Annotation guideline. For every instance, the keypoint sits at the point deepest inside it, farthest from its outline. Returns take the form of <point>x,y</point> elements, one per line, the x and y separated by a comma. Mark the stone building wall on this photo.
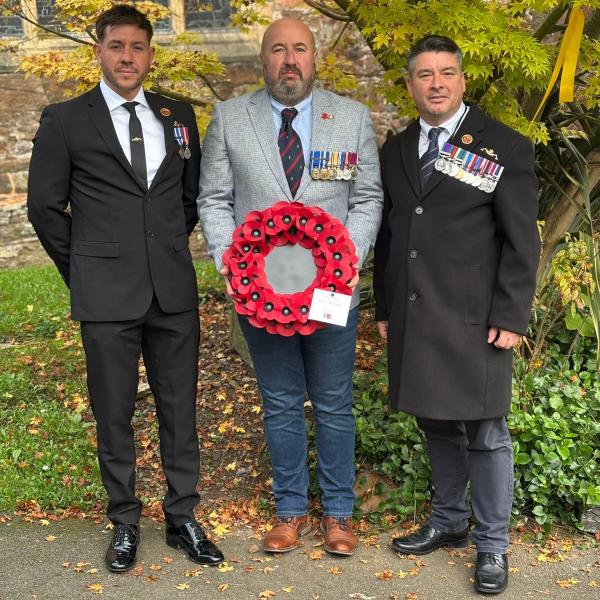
<point>22,100</point>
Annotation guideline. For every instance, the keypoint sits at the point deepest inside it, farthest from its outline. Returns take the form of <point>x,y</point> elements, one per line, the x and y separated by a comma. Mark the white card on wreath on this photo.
<point>330,307</point>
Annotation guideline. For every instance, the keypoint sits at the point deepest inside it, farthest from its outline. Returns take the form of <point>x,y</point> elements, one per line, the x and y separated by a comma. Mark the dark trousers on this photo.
<point>479,453</point>
<point>169,344</point>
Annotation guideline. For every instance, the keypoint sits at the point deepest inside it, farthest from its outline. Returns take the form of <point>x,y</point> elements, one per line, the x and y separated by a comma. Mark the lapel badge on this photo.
<point>490,152</point>
<point>467,139</point>
<point>165,112</point>
<point>325,116</point>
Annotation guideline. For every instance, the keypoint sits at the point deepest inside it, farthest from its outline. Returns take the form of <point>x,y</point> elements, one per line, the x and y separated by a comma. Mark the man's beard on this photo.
<point>292,93</point>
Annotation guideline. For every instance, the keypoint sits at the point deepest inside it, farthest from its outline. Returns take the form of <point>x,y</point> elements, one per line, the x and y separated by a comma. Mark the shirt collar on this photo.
<point>114,100</point>
<point>300,107</point>
<point>448,125</point>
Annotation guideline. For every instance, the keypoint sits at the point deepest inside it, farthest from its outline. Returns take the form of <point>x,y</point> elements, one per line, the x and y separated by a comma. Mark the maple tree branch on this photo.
<point>332,13</point>
<point>159,89</point>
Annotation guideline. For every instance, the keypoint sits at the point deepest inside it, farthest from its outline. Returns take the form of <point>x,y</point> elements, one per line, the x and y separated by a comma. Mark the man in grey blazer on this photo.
<point>248,164</point>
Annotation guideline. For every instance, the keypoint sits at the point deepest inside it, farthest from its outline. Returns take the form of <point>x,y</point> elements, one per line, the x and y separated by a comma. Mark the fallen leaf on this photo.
<point>155,567</point>
<point>223,587</point>
<point>514,570</point>
<point>221,529</point>
<point>92,571</point>
<point>567,583</point>
<point>183,586</point>
<point>167,560</point>
<point>266,594</point>
<point>384,575</point>
<point>287,590</point>
<point>316,555</point>
<point>225,567</point>
<point>231,466</point>
<point>335,571</point>
<point>593,583</point>
<point>50,538</point>
<point>95,588</point>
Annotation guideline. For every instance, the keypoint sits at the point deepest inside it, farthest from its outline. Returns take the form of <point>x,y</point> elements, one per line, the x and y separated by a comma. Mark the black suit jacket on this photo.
<point>450,262</point>
<point>119,242</point>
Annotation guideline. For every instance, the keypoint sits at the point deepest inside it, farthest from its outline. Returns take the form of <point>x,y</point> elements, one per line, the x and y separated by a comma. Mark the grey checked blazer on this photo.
<point>241,168</point>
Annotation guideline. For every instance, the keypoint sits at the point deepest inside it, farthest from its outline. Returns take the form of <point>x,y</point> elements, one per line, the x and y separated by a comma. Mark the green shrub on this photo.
<point>555,424</point>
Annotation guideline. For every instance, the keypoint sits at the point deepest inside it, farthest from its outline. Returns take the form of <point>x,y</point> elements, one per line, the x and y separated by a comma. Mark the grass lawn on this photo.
<point>47,450</point>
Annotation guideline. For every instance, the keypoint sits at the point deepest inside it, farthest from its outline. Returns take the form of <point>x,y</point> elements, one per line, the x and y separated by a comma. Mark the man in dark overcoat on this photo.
<point>126,163</point>
<point>455,266</point>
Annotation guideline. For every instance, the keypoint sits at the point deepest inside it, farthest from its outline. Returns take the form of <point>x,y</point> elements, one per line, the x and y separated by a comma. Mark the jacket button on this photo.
<point>413,296</point>
<point>150,233</point>
<point>148,198</point>
<point>419,210</point>
<point>413,254</point>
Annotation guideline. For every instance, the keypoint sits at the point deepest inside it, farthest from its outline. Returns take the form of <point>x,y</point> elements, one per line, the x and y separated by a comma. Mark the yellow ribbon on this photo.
<point>567,61</point>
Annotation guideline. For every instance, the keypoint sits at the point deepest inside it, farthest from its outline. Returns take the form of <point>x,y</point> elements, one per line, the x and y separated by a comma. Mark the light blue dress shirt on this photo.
<point>302,123</point>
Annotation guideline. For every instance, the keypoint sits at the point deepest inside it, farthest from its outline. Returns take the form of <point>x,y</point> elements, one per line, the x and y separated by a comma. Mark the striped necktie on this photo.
<point>290,150</point>
<point>136,141</point>
<point>427,161</point>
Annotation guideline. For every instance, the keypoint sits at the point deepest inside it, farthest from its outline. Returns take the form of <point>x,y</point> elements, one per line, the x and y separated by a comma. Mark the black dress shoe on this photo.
<point>491,572</point>
<point>192,538</point>
<point>120,555</point>
<point>428,539</point>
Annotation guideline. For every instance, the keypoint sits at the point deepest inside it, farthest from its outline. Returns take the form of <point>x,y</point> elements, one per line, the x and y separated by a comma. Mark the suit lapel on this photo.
<point>167,122</point>
<point>409,143</point>
<point>472,129</point>
<point>321,130</point>
<point>101,118</point>
<point>261,117</point>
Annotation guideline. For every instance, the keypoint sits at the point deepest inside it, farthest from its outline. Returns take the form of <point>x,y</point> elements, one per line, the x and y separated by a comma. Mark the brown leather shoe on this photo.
<point>284,536</point>
<point>339,538</point>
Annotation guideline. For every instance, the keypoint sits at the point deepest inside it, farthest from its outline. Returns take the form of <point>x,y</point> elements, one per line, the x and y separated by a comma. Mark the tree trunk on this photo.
<point>561,217</point>
<point>237,339</point>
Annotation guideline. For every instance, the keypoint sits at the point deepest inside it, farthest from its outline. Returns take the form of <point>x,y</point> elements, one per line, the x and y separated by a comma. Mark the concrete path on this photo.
<point>64,561</point>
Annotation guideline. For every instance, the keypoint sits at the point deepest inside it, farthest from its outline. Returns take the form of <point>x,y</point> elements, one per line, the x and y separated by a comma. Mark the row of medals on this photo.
<point>472,169</point>
<point>333,165</point>
<point>182,137</point>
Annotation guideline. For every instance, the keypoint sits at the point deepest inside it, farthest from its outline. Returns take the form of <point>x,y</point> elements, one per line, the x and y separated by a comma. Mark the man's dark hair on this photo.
<point>433,43</point>
<point>122,14</point>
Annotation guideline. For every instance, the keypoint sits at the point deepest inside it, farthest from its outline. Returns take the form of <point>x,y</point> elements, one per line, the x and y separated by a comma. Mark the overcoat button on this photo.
<point>419,210</point>
<point>413,296</point>
<point>413,254</point>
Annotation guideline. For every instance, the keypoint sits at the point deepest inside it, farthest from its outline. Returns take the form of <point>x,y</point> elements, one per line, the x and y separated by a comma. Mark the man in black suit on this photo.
<point>455,266</point>
<point>126,163</point>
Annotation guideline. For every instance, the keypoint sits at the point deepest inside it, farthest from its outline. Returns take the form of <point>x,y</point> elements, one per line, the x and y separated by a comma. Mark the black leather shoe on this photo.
<point>428,539</point>
<point>120,555</point>
<point>192,538</point>
<point>491,572</point>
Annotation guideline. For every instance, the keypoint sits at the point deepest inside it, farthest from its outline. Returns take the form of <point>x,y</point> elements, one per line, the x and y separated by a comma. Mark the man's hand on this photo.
<point>382,327</point>
<point>353,282</point>
<point>505,340</point>
<point>225,271</point>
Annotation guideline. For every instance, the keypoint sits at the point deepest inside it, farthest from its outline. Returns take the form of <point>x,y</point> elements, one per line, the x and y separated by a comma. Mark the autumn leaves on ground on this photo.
<point>47,446</point>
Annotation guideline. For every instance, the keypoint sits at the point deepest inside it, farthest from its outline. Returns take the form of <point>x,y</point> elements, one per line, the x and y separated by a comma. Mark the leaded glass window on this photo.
<point>197,17</point>
<point>10,26</point>
<point>46,13</point>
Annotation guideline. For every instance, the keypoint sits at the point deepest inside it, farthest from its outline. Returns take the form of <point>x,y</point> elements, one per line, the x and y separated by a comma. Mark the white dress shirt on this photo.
<point>449,128</point>
<point>154,133</point>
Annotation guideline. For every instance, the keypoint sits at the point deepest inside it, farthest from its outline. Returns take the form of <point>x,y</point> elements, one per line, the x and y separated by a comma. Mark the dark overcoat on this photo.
<point>451,261</point>
<point>121,242</point>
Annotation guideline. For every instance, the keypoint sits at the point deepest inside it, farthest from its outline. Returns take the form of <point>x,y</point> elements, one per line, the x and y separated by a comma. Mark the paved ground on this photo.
<point>64,561</point>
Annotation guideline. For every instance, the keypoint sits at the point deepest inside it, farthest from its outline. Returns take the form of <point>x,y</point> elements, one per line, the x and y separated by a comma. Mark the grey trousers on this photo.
<point>479,453</point>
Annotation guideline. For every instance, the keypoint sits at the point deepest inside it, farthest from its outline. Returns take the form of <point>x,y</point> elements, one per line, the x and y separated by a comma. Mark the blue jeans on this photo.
<point>286,369</point>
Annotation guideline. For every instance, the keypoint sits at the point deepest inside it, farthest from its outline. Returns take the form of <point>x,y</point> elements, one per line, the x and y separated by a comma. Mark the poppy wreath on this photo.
<point>312,228</point>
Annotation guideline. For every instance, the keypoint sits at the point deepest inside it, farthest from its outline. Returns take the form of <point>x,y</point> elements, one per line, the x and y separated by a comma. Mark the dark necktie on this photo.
<point>290,149</point>
<point>136,143</point>
<point>427,161</point>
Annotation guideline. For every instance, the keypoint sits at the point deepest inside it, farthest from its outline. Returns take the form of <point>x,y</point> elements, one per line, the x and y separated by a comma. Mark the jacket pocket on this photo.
<point>180,242</point>
<point>101,249</point>
<point>474,294</point>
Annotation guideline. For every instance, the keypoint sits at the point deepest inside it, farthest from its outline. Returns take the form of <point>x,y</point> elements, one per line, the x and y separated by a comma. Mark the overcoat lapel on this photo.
<point>261,117</point>
<point>410,156</point>
<point>100,116</point>
<point>167,122</point>
<point>471,126</point>
<point>321,130</point>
